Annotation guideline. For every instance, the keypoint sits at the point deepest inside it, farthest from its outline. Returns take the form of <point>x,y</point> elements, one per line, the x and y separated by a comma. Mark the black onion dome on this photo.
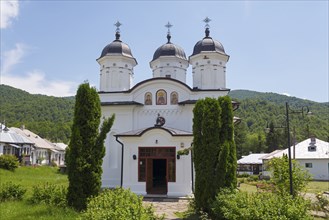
<point>208,44</point>
<point>117,47</point>
<point>169,49</point>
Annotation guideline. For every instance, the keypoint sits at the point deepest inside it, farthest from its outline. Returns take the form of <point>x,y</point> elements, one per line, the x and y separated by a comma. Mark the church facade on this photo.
<point>154,118</point>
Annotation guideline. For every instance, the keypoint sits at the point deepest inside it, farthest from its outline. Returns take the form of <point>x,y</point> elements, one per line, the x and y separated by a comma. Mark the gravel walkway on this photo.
<point>167,206</point>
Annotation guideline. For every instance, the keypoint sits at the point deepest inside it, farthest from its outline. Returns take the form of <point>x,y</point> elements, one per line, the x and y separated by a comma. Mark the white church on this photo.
<point>154,117</point>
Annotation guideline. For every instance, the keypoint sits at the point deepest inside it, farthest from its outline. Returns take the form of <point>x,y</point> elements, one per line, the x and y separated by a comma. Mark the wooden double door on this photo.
<point>159,168</point>
<point>156,177</point>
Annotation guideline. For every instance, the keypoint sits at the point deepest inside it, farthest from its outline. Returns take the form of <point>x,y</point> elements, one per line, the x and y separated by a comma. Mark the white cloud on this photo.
<point>35,82</point>
<point>8,11</point>
<point>286,94</point>
<point>12,57</point>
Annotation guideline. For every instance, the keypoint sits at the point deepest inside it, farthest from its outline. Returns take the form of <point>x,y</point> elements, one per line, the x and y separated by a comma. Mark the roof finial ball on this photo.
<point>207,20</point>
<point>117,33</point>
<point>168,25</point>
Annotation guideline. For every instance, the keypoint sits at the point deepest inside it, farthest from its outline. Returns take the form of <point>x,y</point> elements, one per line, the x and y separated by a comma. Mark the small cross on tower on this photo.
<point>207,20</point>
<point>168,25</point>
<point>118,24</point>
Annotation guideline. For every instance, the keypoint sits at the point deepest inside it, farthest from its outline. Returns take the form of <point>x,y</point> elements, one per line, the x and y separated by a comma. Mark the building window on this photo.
<point>174,98</point>
<point>308,165</point>
<point>161,97</point>
<point>6,150</point>
<point>148,98</point>
<point>312,148</point>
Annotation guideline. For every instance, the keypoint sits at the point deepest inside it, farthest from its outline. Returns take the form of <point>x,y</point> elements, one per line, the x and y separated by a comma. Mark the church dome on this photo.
<point>169,49</point>
<point>117,47</point>
<point>208,44</point>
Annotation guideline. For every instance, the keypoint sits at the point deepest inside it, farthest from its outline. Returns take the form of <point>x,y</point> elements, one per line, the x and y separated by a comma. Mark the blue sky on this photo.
<point>50,47</point>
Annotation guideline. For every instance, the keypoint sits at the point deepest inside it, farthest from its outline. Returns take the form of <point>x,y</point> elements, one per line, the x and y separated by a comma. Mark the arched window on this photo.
<point>161,97</point>
<point>148,98</point>
<point>174,98</point>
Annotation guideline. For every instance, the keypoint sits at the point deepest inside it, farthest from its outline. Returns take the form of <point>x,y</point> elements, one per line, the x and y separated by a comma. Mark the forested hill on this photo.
<point>273,97</point>
<point>258,110</point>
<point>48,116</point>
<point>51,117</point>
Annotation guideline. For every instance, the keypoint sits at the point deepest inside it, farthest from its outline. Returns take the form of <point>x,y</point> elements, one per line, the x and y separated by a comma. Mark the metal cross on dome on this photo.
<point>118,24</point>
<point>168,25</point>
<point>207,20</point>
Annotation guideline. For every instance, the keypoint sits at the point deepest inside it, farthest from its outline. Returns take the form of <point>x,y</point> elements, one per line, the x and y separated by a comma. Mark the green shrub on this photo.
<point>252,178</point>
<point>117,204</point>
<point>49,194</point>
<point>8,162</point>
<point>11,191</point>
<point>243,205</point>
<point>242,175</point>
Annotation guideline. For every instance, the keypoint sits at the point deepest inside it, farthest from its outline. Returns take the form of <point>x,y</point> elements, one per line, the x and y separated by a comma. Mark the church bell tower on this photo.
<point>116,65</point>
<point>208,62</point>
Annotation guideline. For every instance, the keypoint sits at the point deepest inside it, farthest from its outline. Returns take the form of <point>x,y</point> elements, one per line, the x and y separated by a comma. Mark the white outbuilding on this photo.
<point>312,154</point>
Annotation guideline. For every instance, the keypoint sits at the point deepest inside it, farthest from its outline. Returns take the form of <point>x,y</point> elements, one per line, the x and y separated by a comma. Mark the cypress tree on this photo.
<point>206,127</point>
<point>84,156</point>
<point>198,155</point>
<point>227,159</point>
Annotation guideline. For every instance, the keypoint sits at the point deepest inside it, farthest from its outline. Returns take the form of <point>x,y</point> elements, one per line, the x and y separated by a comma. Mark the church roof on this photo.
<point>140,132</point>
<point>117,47</point>
<point>207,44</point>
<point>121,103</point>
<point>169,49</point>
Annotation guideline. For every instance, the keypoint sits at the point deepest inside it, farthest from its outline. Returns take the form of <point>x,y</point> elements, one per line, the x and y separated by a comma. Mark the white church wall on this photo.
<point>171,67</point>
<point>209,70</point>
<point>111,176</point>
<point>116,73</point>
<point>183,184</point>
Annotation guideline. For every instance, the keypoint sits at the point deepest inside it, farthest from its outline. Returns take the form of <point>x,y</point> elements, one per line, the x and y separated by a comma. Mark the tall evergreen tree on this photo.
<point>228,154</point>
<point>84,156</point>
<point>206,129</point>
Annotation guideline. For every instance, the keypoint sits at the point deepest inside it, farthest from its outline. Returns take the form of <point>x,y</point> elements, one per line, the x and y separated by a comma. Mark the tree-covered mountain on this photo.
<point>48,116</point>
<point>51,117</point>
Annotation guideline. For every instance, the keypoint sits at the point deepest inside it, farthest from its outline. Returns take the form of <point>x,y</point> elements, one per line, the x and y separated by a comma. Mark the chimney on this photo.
<point>313,140</point>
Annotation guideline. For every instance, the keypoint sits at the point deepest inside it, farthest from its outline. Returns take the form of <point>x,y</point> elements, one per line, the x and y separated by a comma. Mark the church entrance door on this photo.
<point>157,178</point>
<point>160,168</point>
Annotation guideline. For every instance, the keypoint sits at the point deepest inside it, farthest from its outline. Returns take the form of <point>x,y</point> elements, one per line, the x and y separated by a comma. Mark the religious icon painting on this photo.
<point>148,98</point>
<point>174,98</point>
<point>161,97</point>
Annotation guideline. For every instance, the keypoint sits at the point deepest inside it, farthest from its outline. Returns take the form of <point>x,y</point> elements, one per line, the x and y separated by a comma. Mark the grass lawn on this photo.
<point>317,186</point>
<point>312,187</point>
<point>247,187</point>
<point>29,177</point>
